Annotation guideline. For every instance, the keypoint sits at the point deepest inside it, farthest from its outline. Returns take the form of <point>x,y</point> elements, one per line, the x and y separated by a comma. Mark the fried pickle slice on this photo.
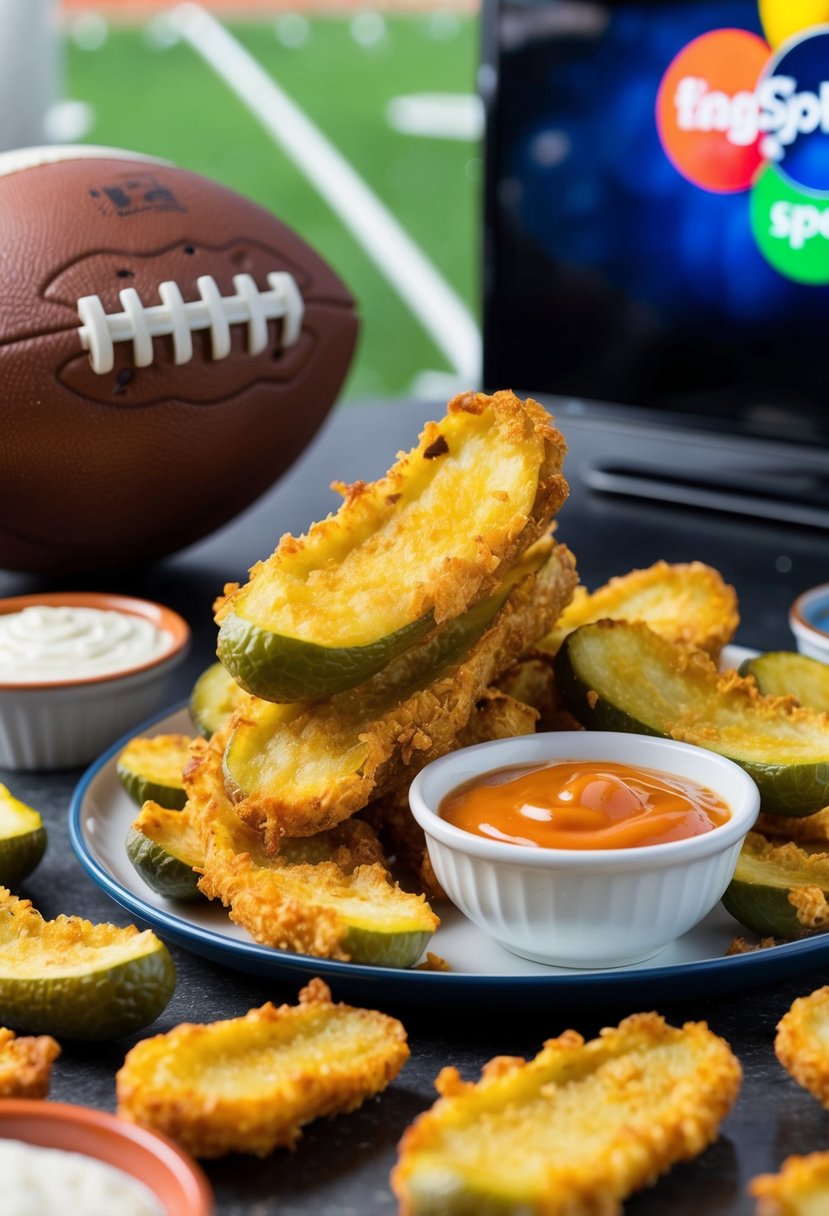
<point>800,1189</point>
<point>689,602</point>
<point>802,1043</point>
<point>78,980</point>
<point>301,770</point>
<point>409,552</point>
<point>574,1131</point>
<point>779,889</point>
<point>329,895</point>
<point>250,1084</point>
<point>26,1064</point>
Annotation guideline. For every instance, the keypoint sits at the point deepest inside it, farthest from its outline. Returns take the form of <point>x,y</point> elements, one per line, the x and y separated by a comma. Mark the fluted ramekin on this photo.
<point>61,723</point>
<point>591,908</point>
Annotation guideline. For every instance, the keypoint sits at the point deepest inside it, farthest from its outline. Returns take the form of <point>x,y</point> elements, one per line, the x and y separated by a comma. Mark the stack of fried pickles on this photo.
<point>368,648</point>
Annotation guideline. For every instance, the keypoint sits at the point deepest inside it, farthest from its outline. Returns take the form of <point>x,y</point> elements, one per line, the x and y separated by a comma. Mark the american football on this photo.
<point>167,348</point>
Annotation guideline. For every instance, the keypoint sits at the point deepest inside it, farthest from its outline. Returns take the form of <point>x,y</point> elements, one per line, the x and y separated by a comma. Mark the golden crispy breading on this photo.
<point>249,1084</point>
<point>802,1043</point>
<point>26,1064</point>
<point>687,603</point>
<point>739,945</point>
<point>792,827</point>
<point>29,944</point>
<point>435,534</point>
<point>433,962</point>
<point>785,869</point>
<point>800,1189</point>
<point>496,716</point>
<point>532,680</point>
<point>575,1130</point>
<point>304,906</point>
<point>329,759</point>
<point>678,691</point>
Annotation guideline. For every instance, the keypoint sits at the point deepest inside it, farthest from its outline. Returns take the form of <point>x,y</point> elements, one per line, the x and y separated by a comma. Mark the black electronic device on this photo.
<point>657,239</point>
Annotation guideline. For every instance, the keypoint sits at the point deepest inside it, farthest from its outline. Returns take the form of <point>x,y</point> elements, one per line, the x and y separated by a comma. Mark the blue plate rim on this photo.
<point>754,967</point>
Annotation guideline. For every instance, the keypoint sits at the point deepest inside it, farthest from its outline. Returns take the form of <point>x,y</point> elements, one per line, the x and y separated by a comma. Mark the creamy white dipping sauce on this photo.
<point>50,1182</point>
<point>43,643</point>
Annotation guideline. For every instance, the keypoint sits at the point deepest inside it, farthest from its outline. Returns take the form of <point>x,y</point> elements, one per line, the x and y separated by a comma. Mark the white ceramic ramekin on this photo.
<point>67,722</point>
<point>809,622</point>
<point>585,908</point>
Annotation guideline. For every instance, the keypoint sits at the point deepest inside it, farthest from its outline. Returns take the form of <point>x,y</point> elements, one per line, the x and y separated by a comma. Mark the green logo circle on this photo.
<point>791,227</point>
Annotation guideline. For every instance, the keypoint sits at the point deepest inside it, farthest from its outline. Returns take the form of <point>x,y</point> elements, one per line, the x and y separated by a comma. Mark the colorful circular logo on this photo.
<point>706,109</point>
<point>733,115</point>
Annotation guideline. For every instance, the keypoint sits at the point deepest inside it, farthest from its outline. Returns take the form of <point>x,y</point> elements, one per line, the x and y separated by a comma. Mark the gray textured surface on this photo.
<point>341,1167</point>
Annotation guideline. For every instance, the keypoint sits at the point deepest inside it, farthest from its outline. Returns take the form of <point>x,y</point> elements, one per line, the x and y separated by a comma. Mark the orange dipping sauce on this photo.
<point>583,804</point>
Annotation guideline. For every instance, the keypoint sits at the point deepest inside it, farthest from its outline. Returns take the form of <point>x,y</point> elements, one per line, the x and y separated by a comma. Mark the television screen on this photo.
<point>657,211</point>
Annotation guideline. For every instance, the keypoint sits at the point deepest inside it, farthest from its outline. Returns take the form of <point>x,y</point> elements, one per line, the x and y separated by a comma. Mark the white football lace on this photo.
<point>173,317</point>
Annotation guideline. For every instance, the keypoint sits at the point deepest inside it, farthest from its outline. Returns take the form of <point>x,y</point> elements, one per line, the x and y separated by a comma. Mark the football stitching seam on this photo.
<point>174,317</point>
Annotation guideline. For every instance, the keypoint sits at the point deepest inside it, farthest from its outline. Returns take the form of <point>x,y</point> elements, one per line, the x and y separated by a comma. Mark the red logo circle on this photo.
<point>707,110</point>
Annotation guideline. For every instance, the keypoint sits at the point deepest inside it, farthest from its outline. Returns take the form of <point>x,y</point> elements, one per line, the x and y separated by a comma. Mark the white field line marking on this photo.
<point>437,306</point>
<point>437,115</point>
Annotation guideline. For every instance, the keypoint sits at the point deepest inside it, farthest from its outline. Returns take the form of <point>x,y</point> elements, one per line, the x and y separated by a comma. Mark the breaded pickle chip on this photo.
<point>214,699</point>
<point>572,1132</point>
<point>779,890</point>
<point>620,675</point>
<point>165,849</point>
<point>150,770</point>
<point>328,895</point>
<point>26,1064</point>
<point>800,1189</point>
<point>406,553</point>
<point>302,769</point>
<point>22,839</point>
<point>802,1043</point>
<point>689,602</point>
<point>76,979</point>
<point>785,673</point>
<point>249,1084</point>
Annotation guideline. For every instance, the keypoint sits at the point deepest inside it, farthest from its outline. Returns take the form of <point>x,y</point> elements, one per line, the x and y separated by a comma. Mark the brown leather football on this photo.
<point>167,348</point>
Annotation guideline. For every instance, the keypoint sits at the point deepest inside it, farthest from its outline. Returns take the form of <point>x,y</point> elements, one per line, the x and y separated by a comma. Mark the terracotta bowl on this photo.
<point>170,1174</point>
<point>60,723</point>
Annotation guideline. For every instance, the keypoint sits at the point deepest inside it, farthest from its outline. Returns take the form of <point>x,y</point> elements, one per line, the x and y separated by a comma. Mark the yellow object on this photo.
<point>782,19</point>
<point>22,839</point>
<point>404,554</point>
<point>302,769</point>
<point>77,980</point>
<point>802,1043</point>
<point>328,895</point>
<point>687,603</point>
<point>26,1064</point>
<point>249,1084</point>
<point>800,1189</point>
<point>572,1132</point>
